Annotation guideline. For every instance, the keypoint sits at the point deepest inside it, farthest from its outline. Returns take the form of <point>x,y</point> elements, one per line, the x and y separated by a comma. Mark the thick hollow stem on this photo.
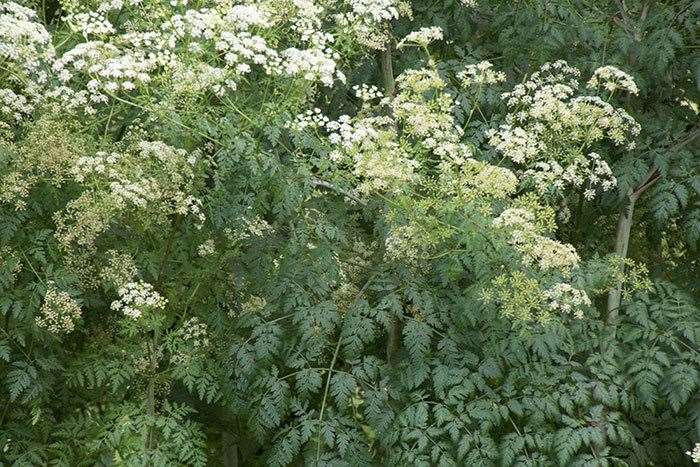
<point>624,225</point>
<point>386,69</point>
<point>622,241</point>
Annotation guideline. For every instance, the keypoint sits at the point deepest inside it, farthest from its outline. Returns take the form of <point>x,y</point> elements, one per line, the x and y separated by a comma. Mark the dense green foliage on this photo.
<point>291,232</point>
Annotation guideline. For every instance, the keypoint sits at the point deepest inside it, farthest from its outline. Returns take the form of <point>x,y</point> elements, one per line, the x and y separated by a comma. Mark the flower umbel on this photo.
<point>136,298</point>
<point>59,312</point>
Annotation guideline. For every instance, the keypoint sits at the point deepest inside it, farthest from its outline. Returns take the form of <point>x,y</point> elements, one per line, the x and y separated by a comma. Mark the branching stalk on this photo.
<point>624,225</point>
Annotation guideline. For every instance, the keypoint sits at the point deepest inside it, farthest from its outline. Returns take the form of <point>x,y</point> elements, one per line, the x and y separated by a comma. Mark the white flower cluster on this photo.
<point>379,153</point>
<point>431,124</point>
<point>116,5</point>
<point>342,132</point>
<point>565,298</point>
<point>231,32</point>
<point>695,454</point>
<point>400,244</point>
<point>59,312</point>
<point>549,74</point>
<point>120,269</point>
<point>307,21</point>
<point>102,163</point>
<point>121,58</point>
<point>515,217</point>
<point>605,121</point>
<point>26,53</point>
<point>376,10</point>
<point>546,253</point>
<point>312,118</point>
<point>20,27</point>
<point>189,340</point>
<point>312,64</point>
<point>416,82</point>
<point>516,143</point>
<point>163,152</point>
<point>136,298</point>
<point>429,119</point>
<point>207,248</point>
<point>196,331</point>
<point>90,23</point>
<point>257,227</point>
<point>367,93</point>
<point>612,78</point>
<point>422,37</point>
<point>107,69</point>
<point>83,220</point>
<point>347,134</point>
<point>592,171</point>
<point>24,40</point>
<point>367,19</point>
<point>193,206</point>
<point>486,181</point>
<point>15,106</point>
<point>551,131</point>
<point>139,193</point>
<point>254,304</point>
<point>383,166</point>
<point>192,79</point>
<point>118,184</point>
<point>480,74</point>
<point>369,143</point>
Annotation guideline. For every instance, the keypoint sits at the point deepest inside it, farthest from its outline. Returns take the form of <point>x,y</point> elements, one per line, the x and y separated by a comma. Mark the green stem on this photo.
<point>336,351</point>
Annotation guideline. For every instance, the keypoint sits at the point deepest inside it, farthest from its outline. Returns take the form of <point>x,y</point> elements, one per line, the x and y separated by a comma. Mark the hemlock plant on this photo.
<point>357,232</point>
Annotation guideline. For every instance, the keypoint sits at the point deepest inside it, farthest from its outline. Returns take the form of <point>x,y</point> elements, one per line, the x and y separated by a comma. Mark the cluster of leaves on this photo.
<point>293,333</point>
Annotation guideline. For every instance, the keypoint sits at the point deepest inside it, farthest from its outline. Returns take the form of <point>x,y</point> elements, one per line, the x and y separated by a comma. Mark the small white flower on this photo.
<point>612,79</point>
<point>480,74</point>
<point>422,37</point>
<point>207,248</point>
<point>135,298</point>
